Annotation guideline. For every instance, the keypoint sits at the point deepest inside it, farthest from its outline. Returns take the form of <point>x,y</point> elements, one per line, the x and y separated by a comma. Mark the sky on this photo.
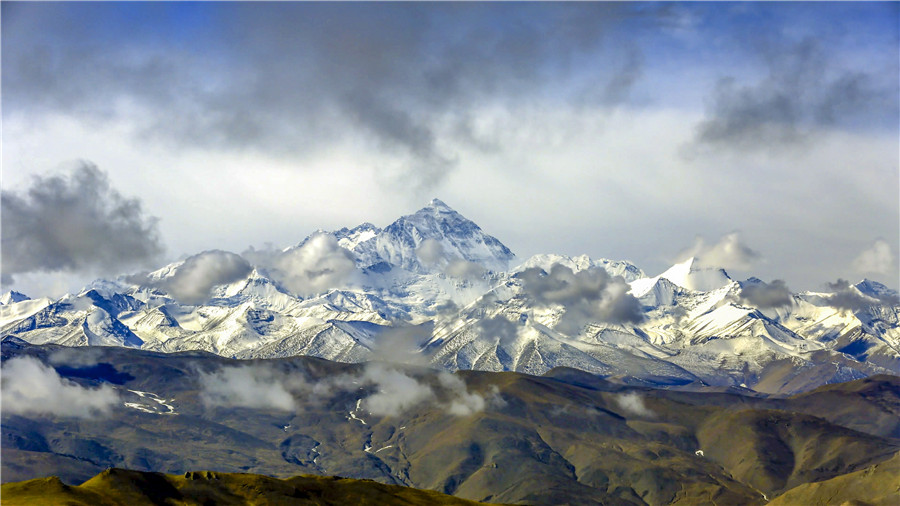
<point>763,136</point>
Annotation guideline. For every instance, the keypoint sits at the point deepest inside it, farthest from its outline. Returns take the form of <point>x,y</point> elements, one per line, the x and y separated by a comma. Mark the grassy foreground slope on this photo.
<point>878,485</point>
<point>117,486</point>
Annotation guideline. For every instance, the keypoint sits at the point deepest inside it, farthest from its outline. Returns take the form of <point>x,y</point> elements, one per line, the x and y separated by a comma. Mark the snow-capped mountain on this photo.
<point>434,285</point>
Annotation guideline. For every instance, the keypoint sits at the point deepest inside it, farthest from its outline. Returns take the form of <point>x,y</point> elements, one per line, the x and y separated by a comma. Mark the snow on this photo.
<point>352,413</point>
<point>149,408</point>
<point>695,324</point>
<point>11,297</point>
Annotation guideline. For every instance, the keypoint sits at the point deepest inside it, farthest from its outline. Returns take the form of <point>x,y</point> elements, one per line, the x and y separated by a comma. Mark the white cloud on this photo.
<point>319,265</point>
<point>245,387</point>
<point>878,259</point>
<point>430,252</point>
<point>463,269</point>
<point>30,387</point>
<point>728,253</point>
<point>194,279</point>
<point>634,404</point>
<point>395,391</point>
<point>462,402</point>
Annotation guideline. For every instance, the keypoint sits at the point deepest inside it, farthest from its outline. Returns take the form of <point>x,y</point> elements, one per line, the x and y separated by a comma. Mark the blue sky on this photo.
<point>637,131</point>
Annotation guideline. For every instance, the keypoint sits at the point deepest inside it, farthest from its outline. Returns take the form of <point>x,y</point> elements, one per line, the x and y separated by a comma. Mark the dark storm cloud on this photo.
<point>290,78</point>
<point>588,295</point>
<point>766,295</point>
<point>805,88</point>
<point>75,222</point>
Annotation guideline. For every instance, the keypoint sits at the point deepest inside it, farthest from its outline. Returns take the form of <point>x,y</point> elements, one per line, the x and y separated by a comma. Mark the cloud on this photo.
<point>391,390</point>
<point>463,269</point>
<point>588,295</point>
<point>75,222</point>
<point>878,259</point>
<point>246,387</point>
<point>402,344</point>
<point>430,252</point>
<point>847,298</point>
<point>462,402</point>
<point>805,89</point>
<point>193,280</point>
<point>766,296</point>
<point>395,392</point>
<point>30,387</point>
<point>83,356</point>
<point>317,265</point>
<point>499,328</point>
<point>634,404</point>
<point>403,77</point>
<point>432,255</point>
<point>728,253</point>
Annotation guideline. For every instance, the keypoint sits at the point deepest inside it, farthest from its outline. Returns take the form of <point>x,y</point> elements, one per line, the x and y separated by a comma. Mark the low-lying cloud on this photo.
<point>766,295</point>
<point>728,253</point>
<point>847,298</point>
<point>499,328</point>
<point>588,295</point>
<point>75,223</point>
<point>430,252</point>
<point>392,390</point>
<point>463,269</point>
<point>193,280</point>
<point>633,403</point>
<point>29,387</point>
<point>316,266</point>
<point>246,387</point>
<point>395,392</point>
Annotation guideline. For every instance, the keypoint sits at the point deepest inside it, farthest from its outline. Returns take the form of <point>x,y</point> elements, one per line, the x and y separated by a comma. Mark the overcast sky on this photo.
<point>625,131</point>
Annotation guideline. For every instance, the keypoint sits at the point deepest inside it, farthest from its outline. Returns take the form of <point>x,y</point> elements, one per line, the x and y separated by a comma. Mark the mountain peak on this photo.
<point>12,297</point>
<point>693,276</point>
<point>438,204</point>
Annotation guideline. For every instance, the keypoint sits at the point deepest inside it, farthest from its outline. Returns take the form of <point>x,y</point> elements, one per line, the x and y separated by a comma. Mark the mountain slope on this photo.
<point>437,278</point>
<point>568,436</point>
<point>119,486</point>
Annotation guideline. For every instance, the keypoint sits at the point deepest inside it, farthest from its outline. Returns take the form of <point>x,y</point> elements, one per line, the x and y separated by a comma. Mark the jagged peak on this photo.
<point>693,276</point>
<point>438,204</point>
<point>12,297</point>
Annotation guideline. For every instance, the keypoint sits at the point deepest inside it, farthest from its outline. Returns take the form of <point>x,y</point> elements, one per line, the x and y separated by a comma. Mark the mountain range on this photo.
<point>433,289</point>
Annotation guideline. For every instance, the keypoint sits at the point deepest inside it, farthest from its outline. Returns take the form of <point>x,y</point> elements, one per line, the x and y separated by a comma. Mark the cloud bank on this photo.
<point>75,222</point>
<point>30,387</point>
<point>392,391</point>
